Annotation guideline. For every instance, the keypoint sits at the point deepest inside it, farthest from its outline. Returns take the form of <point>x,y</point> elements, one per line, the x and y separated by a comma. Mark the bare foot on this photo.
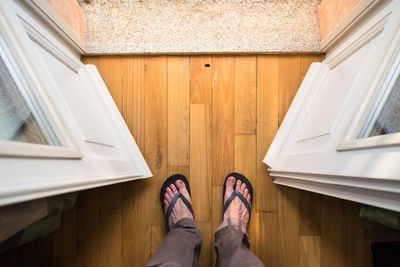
<point>237,209</point>
<point>179,211</point>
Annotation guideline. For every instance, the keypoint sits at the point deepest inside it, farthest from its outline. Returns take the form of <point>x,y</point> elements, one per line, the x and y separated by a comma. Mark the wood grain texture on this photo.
<point>267,126</point>
<point>155,147</point>
<point>200,79</point>
<point>122,225</point>
<point>331,232</point>
<point>310,251</point>
<point>110,220</point>
<point>245,94</point>
<point>158,232</point>
<point>88,230</point>
<point>288,83</point>
<point>178,111</point>
<point>207,246</point>
<point>135,244</point>
<point>310,213</point>
<point>132,79</point>
<point>288,226</point>
<point>223,118</point>
<point>267,238</point>
<point>200,161</point>
<point>65,240</point>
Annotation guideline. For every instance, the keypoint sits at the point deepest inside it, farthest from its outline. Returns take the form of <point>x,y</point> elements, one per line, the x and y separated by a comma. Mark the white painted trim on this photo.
<point>69,60</point>
<point>19,149</point>
<point>43,10</point>
<point>384,185</point>
<point>353,44</point>
<point>22,192</point>
<point>385,200</point>
<point>342,28</point>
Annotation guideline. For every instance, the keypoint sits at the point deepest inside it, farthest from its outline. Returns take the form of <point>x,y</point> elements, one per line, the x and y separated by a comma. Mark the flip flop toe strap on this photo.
<point>173,202</point>
<point>241,197</point>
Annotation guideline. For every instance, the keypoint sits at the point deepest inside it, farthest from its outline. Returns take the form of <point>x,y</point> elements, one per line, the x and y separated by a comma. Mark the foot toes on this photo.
<point>180,185</point>
<point>246,193</point>
<point>166,203</point>
<point>238,185</point>
<point>230,183</point>
<point>243,187</point>
<point>173,188</point>
<point>170,193</point>
<point>167,197</point>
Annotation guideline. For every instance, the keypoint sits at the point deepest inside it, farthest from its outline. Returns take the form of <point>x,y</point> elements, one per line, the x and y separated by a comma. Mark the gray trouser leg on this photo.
<point>180,248</point>
<point>232,246</point>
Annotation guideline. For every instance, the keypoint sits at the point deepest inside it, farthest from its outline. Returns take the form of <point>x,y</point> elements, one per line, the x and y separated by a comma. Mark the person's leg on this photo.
<point>231,240</point>
<point>181,247</point>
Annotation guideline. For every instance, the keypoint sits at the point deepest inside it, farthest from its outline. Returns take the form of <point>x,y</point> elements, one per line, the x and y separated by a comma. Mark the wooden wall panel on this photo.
<point>226,116</point>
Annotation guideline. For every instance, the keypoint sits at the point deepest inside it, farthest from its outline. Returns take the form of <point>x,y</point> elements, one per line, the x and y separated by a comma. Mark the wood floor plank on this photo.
<point>288,226</point>
<point>310,214</point>
<point>110,237</point>
<point>65,240</point>
<point>267,126</point>
<point>207,245</point>
<point>223,118</point>
<point>155,148</point>
<point>289,82</point>
<point>136,237</point>
<point>132,79</point>
<point>267,238</point>
<point>158,233</point>
<point>179,170</point>
<point>331,232</point>
<point>245,94</point>
<point>88,231</point>
<point>200,79</point>
<point>310,251</point>
<point>178,110</point>
<point>110,220</point>
<point>353,227</point>
<point>200,180</point>
<point>110,69</point>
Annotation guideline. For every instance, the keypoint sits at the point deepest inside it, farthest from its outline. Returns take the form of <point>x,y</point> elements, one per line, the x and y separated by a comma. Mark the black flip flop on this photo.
<point>171,180</point>
<point>236,193</point>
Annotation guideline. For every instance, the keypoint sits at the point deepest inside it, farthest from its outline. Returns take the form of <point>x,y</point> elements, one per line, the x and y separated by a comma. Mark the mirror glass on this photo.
<point>21,117</point>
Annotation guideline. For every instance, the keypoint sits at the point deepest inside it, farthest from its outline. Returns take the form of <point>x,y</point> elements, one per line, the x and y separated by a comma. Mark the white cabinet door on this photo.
<point>60,130</point>
<point>341,135</point>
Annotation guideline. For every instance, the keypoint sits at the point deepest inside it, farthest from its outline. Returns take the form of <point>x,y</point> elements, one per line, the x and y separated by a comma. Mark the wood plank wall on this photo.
<point>204,122</point>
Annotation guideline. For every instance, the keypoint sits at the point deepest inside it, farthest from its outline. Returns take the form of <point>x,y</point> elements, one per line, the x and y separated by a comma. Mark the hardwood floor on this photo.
<point>204,121</point>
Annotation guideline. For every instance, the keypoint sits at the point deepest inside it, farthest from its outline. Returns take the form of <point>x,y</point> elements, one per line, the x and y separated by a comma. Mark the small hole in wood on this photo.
<point>207,65</point>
